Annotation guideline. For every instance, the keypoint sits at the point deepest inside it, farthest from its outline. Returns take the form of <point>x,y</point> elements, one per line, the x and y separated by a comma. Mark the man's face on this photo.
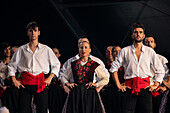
<point>33,33</point>
<point>149,41</point>
<point>109,52</point>
<point>116,51</point>
<point>138,35</point>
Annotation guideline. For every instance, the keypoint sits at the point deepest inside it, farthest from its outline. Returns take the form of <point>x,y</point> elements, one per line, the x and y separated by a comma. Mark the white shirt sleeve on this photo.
<point>103,78</point>
<point>117,63</point>
<point>159,69</point>
<point>54,63</point>
<point>66,75</point>
<point>12,65</point>
<point>101,64</point>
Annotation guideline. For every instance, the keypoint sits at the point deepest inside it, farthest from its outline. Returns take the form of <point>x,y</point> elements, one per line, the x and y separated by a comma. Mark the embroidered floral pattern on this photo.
<point>82,70</point>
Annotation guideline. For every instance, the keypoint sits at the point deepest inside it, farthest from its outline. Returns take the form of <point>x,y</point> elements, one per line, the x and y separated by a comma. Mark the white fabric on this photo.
<point>142,68</point>
<point>35,63</point>
<point>103,78</point>
<point>4,110</point>
<point>3,71</point>
<point>67,64</point>
<point>164,61</point>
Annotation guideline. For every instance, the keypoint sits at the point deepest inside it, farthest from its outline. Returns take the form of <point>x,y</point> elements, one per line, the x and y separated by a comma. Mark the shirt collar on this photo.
<point>78,56</point>
<point>133,48</point>
<point>39,46</point>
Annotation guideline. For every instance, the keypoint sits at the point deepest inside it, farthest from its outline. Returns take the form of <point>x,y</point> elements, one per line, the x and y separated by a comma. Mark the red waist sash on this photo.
<point>29,79</point>
<point>136,84</point>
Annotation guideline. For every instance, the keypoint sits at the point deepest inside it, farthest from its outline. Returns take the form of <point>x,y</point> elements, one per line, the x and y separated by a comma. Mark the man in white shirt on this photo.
<point>67,64</point>
<point>150,42</point>
<point>137,60</point>
<point>33,60</point>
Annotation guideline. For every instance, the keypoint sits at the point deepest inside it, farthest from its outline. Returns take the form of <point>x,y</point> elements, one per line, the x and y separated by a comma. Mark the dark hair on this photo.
<point>3,46</point>
<point>151,35</point>
<point>84,36</point>
<point>114,48</point>
<point>32,25</point>
<point>137,25</point>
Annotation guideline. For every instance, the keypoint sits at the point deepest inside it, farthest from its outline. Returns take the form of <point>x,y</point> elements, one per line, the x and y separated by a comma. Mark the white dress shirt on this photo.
<point>67,64</point>
<point>164,61</point>
<point>35,63</point>
<point>101,75</point>
<point>142,68</point>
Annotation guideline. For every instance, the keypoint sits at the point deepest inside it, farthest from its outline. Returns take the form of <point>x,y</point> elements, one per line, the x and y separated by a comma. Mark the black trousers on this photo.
<point>10,99</point>
<point>141,103</point>
<point>25,98</point>
<point>156,101</point>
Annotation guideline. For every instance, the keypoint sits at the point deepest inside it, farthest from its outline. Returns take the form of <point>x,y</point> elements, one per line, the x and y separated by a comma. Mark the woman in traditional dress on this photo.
<point>83,97</point>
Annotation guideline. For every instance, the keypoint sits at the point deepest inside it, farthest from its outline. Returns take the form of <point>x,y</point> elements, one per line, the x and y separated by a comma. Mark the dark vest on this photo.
<point>88,75</point>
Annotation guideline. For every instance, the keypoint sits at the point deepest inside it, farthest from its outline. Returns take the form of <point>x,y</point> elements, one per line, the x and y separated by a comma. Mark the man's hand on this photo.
<point>122,87</point>
<point>48,80</point>
<point>153,87</point>
<point>167,84</point>
<point>17,83</point>
<point>162,89</point>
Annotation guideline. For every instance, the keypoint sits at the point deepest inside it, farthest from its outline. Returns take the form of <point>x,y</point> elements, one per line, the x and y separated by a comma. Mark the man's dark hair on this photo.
<point>32,25</point>
<point>137,25</point>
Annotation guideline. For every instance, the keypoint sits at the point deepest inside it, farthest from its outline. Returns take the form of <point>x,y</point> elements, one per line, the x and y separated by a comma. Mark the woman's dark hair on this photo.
<point>3,46</point>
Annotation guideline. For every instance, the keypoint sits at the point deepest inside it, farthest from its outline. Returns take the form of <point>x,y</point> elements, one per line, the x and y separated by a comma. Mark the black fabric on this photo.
<point>10,99</point>
<point>141,103</point>
<point>89,73</point>
<point>25,98</point>
<point>56,97</point>
<point>110,95</point>
<point>156,101</point>
<point>111,98</point>
<point>83,100</point>
<point>167,107</point>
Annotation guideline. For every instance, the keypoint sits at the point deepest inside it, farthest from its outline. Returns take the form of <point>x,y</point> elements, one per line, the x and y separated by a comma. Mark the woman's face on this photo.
<point>7,51</point>
<point>84,49</point>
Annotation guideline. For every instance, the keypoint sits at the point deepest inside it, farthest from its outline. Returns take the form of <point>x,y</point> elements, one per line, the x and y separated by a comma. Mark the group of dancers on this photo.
<point>135,79</point>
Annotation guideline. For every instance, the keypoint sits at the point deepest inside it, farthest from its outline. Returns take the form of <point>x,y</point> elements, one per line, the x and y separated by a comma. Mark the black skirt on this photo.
<point>83,100</point>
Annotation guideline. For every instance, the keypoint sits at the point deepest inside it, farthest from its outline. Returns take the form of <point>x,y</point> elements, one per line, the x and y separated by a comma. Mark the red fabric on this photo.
<point>156,93</point>
<point>1,91</point>
<point>136,84</point>
<point>29,79</point>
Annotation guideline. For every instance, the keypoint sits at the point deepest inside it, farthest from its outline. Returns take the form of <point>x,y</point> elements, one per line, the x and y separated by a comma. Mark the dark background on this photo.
<point>106,22</point>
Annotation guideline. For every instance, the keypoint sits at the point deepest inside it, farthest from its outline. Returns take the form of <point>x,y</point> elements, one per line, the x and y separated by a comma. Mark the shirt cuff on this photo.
<point>113,70</point>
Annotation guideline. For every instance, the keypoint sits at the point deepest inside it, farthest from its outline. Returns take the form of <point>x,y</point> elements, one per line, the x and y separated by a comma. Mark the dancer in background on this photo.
<point>150,42</point>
